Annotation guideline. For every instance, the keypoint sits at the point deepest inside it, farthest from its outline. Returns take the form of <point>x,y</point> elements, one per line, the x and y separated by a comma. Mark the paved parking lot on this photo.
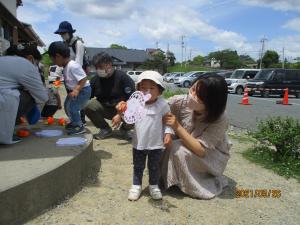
<point>246,116</point>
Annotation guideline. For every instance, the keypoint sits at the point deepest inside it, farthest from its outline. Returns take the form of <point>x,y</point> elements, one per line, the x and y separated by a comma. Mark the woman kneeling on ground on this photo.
<point>195,162</point>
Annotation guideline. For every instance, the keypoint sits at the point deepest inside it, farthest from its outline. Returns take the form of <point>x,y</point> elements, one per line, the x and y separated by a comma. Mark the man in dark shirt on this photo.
<point>109,87</point>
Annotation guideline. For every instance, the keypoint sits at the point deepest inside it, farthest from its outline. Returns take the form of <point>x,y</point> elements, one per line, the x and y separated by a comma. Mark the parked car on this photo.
<point>224,73</point>
<point>134,74</point>
<point>54,72</point>
<point>237,81</point>
<point>171,77</point>
<point>274,81</point>
<point>187,79</point>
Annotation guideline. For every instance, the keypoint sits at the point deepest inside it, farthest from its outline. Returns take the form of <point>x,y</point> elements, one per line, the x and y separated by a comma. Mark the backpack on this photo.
<point>85,62</point>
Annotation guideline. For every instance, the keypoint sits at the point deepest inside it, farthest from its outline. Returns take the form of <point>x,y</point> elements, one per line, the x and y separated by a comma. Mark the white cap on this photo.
<point>151,75</point>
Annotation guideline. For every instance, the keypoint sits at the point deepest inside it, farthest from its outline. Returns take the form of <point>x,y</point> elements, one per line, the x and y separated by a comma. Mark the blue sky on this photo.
<point>207,25</point>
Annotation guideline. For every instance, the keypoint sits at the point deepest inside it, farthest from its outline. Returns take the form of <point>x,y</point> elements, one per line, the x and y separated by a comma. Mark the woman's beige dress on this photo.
<point>198,177</point>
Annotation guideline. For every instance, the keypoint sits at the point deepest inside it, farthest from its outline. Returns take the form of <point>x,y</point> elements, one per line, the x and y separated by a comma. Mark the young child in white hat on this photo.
<point>150,136</point>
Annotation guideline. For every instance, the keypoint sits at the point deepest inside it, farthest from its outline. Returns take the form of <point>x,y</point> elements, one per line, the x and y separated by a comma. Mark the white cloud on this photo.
<point>102,9</point>
<point>293,24</point>
<point>160,26</point>
<point>32,16</point>
<point>282,5</point>
<point>291,45</point>
<point>44,4</point>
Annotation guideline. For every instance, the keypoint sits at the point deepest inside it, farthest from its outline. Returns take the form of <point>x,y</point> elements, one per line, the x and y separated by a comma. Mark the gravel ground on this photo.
<point>104,200</point>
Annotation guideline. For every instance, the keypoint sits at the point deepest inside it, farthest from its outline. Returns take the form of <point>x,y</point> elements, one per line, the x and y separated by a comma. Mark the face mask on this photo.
<point>101,73</point>
<point>65,36</point>
<point>193,104</point>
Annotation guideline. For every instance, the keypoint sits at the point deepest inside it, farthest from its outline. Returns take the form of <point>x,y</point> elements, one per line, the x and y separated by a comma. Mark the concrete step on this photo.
<point>35,174</point>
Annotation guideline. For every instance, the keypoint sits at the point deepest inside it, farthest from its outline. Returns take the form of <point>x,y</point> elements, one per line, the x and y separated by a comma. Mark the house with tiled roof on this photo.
<point>125,59</point>
<point>13,31</point>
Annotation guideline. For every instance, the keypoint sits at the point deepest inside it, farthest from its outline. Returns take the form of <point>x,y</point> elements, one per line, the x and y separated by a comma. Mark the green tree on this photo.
<point>170,58</point>
<point>269,58</point>
<point>157,61</point>
<point>116,46</point>
<point>198,60</point>
<point>228,58</point>
<point>46,59</point>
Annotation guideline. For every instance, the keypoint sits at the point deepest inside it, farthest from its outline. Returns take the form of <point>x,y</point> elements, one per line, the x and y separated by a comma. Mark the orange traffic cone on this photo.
<point>245,100</point>
<point>285,100</point>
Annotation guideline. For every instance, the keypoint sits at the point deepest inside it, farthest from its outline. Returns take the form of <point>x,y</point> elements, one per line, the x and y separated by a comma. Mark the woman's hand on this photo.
<point>167,140</point>
<point>116,121</point>
<point>170,120</point>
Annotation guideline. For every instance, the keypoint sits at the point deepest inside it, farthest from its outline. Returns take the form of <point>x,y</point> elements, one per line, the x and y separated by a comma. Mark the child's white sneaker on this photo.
<point>134,192</point>
<point>155,192</point>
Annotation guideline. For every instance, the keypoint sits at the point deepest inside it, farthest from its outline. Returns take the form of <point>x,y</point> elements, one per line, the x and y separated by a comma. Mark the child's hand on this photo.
<point>116,121</point>
<point>121,106</point>
<point>167,139</point>
<point>74,93</point>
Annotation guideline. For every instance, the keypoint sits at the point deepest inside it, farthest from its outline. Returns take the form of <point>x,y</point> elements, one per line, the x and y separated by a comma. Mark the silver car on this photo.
<point>188,78</point>
<point>171,77</point>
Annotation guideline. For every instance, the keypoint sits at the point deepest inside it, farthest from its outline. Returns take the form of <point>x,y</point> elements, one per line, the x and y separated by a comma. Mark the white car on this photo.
<point>187,79</point>
<point>172,76</point>
<point>134,75</point>
<point>238,80</point>
<point>54,73</point>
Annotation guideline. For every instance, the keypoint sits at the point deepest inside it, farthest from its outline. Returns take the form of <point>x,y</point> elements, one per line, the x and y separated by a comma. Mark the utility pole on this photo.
<point>283,58</point>
<point>182,47</point>
<point>191,53</point>
<point>185,59</point>
<point>156,44</point>
<point>262,50</point>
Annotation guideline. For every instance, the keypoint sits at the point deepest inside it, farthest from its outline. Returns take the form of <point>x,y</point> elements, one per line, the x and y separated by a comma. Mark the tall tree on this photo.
<point>156,62</point>
<point>198,60</point>
<point>269,58</point>
<point>228,58</point>
<point>116,46</point>
<point>170,58</point>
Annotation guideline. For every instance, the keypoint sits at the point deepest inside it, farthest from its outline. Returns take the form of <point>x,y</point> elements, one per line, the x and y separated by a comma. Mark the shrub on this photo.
<point>283,134</point>
<point>169,93</point>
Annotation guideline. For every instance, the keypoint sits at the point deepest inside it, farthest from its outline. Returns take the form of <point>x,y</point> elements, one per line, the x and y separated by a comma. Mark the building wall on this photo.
<point>11,5</point>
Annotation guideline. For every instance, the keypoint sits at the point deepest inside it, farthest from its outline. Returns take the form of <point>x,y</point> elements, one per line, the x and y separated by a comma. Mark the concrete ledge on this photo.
<point>35,174</point>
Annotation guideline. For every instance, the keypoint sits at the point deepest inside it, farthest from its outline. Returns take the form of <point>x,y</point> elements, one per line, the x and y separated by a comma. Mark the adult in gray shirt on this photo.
<point>21,88</point>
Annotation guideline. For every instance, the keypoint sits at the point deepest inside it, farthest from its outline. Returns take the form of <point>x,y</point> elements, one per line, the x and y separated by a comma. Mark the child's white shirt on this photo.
<point>149,132</point>
<point>73,73</point>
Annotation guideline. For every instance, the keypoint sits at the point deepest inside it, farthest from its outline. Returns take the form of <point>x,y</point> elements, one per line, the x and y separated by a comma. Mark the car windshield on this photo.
<point>263,75</point>
<point>187,74</point>
<point>237,74</point>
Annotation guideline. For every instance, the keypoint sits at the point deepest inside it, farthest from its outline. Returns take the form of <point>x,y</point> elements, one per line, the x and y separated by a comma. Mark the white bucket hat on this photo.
<point>151,75</point>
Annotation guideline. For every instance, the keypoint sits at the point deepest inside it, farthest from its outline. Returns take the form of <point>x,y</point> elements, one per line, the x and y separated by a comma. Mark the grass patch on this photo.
<point>240,138</point>
<point>288,167</point>
<point>169,93</point>
<point>187,68</point>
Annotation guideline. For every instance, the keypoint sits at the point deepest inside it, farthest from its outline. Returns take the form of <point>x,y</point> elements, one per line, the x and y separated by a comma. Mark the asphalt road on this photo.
<point>247,116</point>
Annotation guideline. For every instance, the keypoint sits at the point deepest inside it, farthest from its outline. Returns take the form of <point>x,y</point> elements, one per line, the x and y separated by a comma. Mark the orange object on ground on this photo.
<point>57,83</point>
<point>23,133</point>
<point>61,121</point>
<point>245,100</point>
<point>50,120</point>
<point>285,100</point>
